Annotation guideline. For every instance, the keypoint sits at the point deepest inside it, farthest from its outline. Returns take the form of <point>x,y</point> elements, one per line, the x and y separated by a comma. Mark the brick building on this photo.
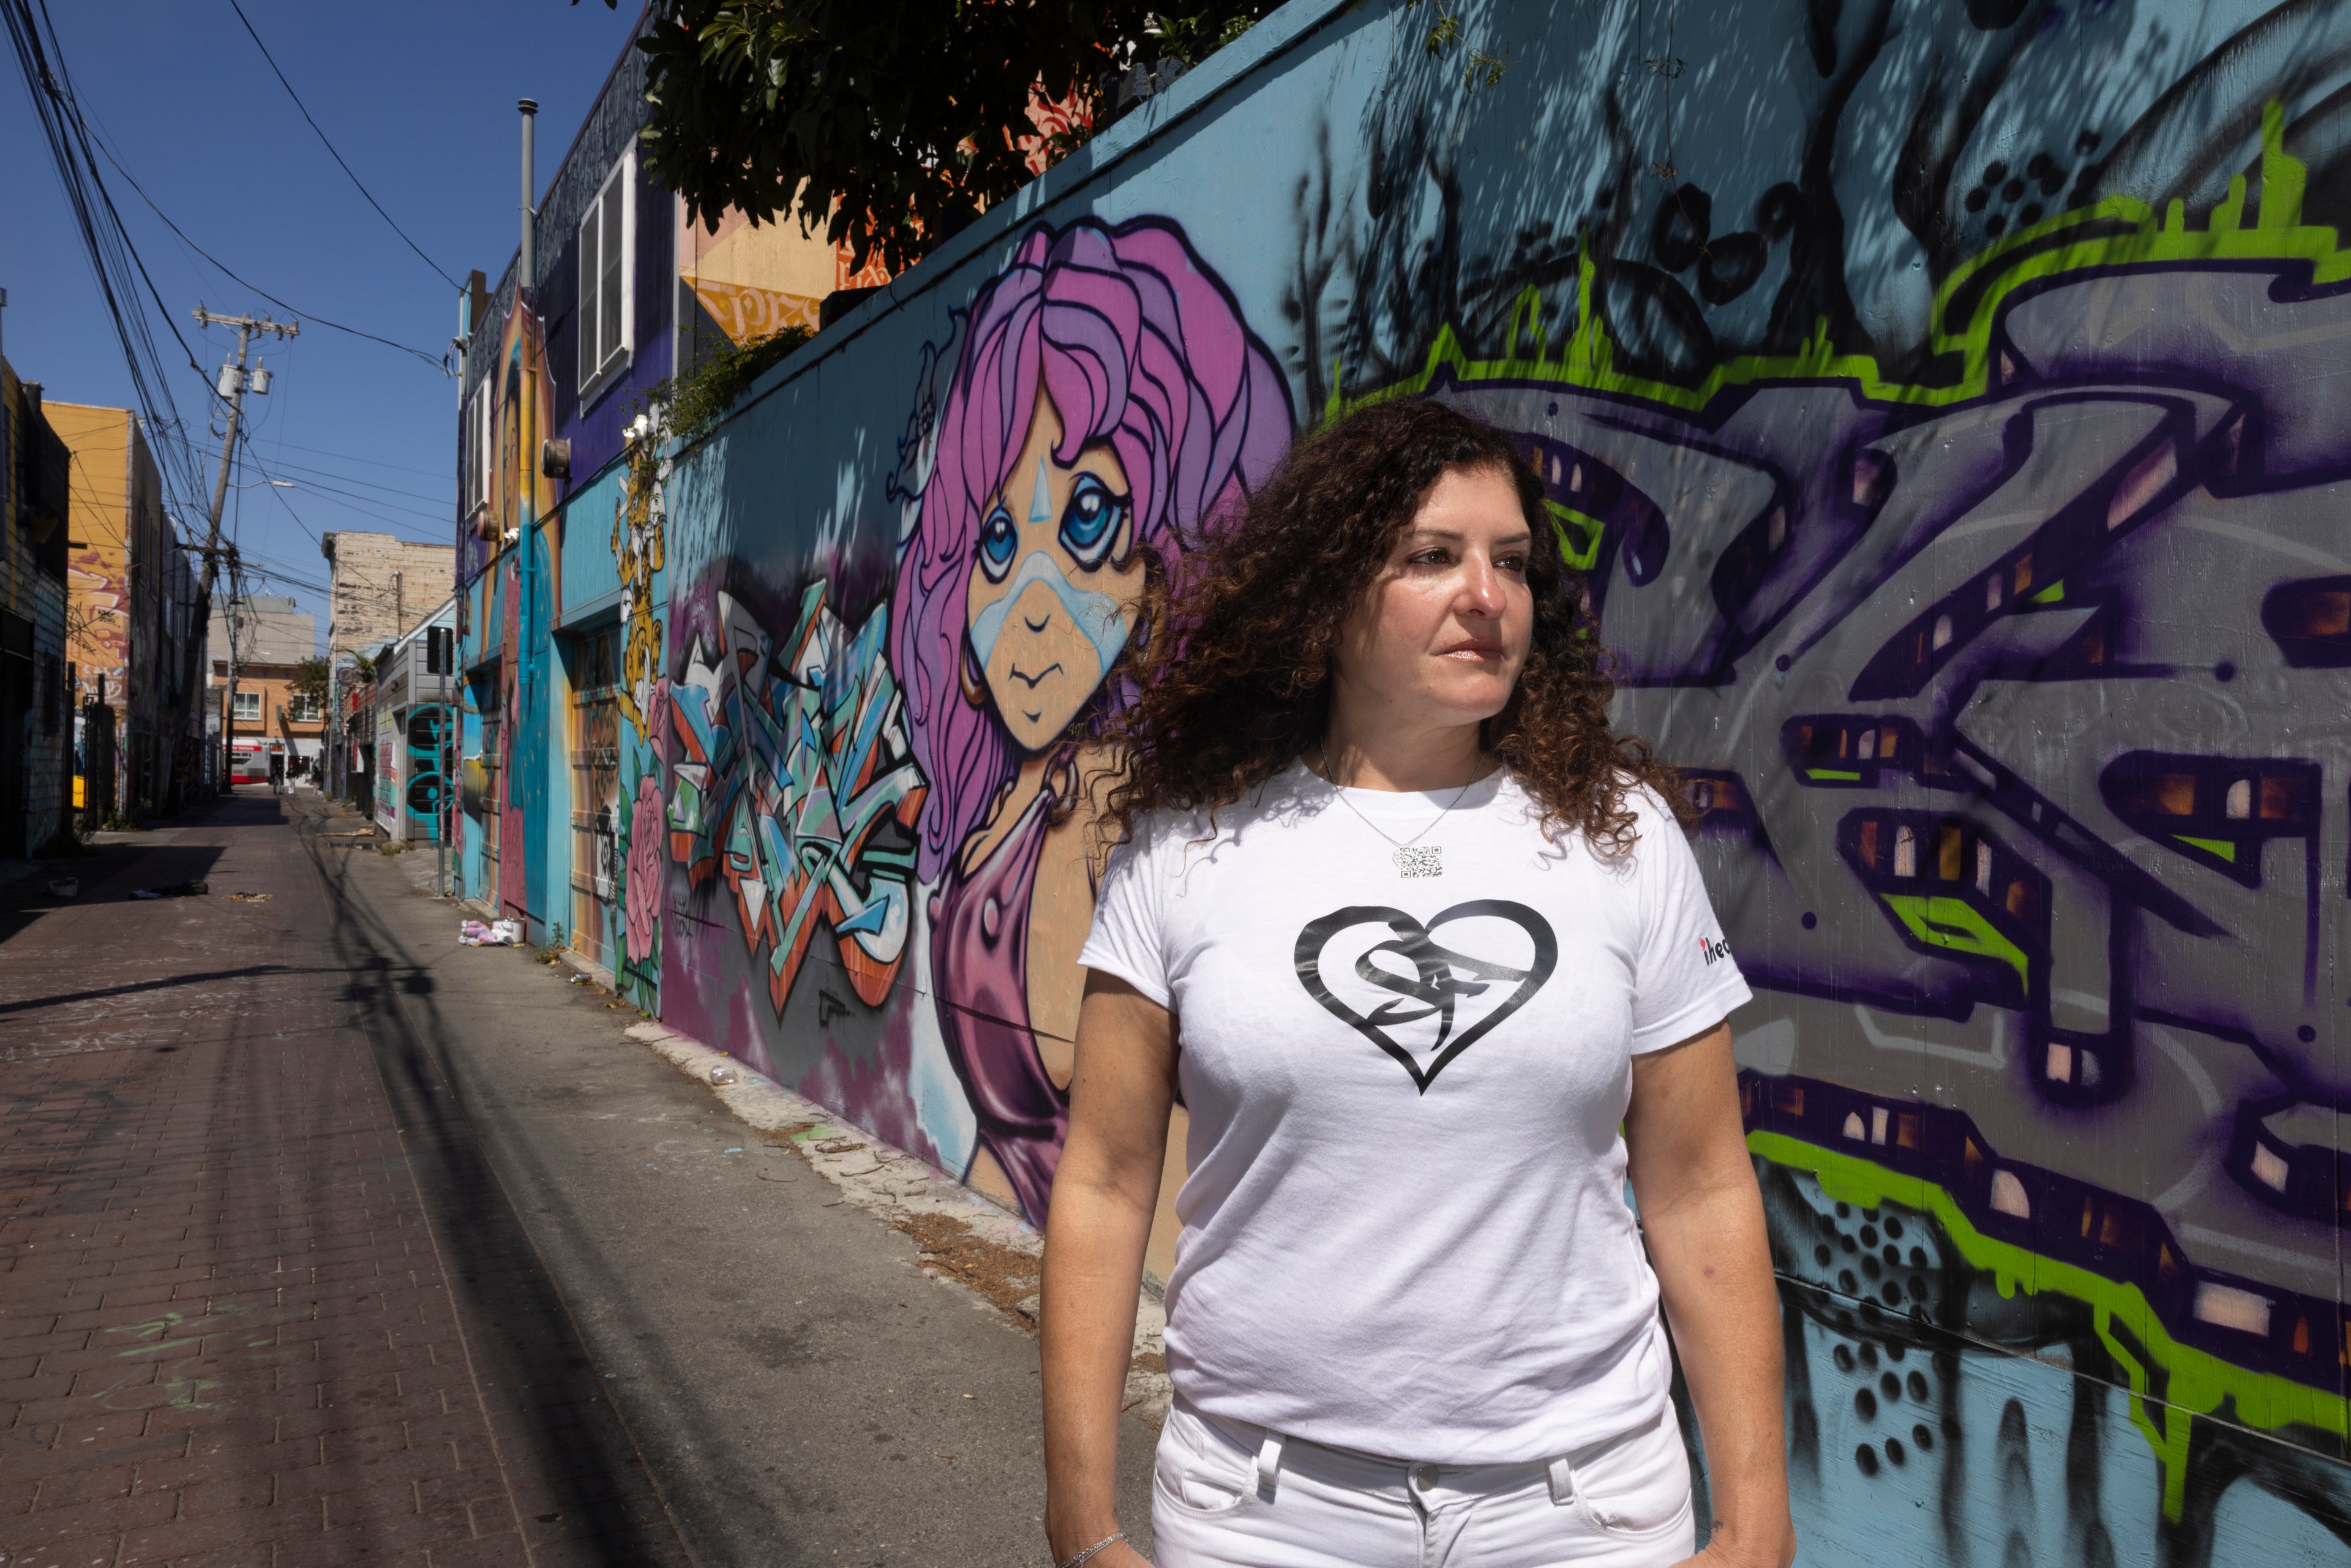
<point>381,586</point>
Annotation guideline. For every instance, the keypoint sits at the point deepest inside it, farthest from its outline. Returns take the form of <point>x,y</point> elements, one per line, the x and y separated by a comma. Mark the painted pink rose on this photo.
<point>657,721</point>
<point>645,832</point>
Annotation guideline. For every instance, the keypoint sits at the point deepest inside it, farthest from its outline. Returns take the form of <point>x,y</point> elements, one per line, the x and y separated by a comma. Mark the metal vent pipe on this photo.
<point>527,272</point>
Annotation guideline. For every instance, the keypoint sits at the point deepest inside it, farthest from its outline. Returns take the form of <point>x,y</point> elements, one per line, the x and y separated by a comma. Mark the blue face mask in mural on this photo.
<point>1098,615</point>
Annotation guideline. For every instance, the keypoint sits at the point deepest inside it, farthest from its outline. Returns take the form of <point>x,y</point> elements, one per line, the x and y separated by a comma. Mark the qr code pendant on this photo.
<point>1420,860</point>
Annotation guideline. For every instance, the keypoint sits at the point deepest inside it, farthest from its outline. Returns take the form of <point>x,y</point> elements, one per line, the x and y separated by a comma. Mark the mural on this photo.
<point>792,769</point>
<point>639,532</point>
<point>1108,397</point>
<point>391,765</point>
<point>1949,408</point>
<point>425,786</point>
<point>515,591</point>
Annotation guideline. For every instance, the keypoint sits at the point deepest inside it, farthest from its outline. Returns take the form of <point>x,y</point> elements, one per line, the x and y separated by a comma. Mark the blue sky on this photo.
<point>419,98</point>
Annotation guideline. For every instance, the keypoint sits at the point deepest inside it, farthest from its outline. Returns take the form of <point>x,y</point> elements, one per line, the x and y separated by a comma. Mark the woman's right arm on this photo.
<point>1104,1194</point>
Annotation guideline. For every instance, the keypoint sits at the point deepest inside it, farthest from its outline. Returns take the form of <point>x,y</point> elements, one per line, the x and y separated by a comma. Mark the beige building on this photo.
<point>381,586</point>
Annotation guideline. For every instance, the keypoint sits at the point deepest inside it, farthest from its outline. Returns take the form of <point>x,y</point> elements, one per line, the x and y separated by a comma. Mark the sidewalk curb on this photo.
<point>906,1193</point>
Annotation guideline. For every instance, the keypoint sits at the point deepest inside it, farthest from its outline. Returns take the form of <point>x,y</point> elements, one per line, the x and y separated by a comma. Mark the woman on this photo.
<point>1411,933</point>
<point>1110,403</point>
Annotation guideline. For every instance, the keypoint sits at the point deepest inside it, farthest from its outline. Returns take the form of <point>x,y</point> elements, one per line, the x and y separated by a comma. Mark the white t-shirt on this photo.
<point>1404,1228</point>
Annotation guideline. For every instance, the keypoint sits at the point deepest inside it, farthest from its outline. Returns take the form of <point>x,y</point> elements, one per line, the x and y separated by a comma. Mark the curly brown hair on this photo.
<point>1231,664</point>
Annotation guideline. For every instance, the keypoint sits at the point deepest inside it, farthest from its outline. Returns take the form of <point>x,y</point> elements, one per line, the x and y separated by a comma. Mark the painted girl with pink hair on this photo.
<point>1108,397</point>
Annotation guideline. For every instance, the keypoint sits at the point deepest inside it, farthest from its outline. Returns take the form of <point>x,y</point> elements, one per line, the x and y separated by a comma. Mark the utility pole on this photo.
<point>233,383</point>
<point>228,719</point>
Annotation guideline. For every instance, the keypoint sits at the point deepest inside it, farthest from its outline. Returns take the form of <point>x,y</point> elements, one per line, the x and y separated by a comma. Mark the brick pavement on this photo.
<point>261,1299</point>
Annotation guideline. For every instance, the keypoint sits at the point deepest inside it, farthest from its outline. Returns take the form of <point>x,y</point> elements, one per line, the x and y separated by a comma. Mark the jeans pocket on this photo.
<point>1196,1470</point>
<point>1638,1485</point>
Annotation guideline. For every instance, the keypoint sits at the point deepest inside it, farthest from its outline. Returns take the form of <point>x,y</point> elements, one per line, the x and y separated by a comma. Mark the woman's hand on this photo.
<point>1104,1194</point>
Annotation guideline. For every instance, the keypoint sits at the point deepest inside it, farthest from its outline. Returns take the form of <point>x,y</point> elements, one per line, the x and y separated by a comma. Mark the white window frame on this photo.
<point>301,709</point>
<point>477,450</point>
<point>247,707</point>
<point>606,347</point>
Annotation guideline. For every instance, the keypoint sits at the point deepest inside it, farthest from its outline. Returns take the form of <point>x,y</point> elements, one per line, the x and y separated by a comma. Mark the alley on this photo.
<point>326,1239</point>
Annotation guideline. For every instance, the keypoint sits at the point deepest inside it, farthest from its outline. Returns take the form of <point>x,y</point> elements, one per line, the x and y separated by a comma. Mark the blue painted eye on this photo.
<point>1090,522</point>
<point>998,540</point>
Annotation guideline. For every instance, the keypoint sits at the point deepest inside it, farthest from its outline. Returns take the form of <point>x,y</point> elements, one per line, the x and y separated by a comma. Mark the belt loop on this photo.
<point>1563,1482</point>
<point>1269,1462</point>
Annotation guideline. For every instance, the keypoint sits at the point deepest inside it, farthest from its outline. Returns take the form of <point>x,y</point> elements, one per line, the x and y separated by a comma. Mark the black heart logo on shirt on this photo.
<point>1440,977</point>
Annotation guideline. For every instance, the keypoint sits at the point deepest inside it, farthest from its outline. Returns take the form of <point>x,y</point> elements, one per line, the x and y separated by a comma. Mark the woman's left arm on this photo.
<point>1703,1216</point>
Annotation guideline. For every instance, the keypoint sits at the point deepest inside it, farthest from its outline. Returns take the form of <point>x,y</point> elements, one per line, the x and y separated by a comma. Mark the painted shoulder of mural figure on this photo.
<point>1109,400</point>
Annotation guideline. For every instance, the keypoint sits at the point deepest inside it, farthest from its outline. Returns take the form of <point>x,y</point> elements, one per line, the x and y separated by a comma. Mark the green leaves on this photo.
<point>310,680</point>
<point>890,125</point>
<point>688,407</point>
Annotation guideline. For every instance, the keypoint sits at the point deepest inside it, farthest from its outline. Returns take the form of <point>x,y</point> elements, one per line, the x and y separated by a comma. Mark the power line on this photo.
<point>114,260</point>
<point>353,503</point>
<point>370,461</point>
<point>330,149</point>
<point>445,502</point>
<point>233,277</point>
<point>284,577</point>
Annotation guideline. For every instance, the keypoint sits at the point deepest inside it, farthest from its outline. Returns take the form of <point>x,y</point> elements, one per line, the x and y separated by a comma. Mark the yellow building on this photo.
<point>129,595</point>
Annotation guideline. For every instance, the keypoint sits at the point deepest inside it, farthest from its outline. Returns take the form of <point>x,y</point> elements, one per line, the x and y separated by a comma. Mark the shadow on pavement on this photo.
<point>549,1402</point>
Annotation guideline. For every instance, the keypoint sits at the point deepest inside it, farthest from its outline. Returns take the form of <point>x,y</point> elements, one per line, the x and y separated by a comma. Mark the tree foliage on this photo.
<point>888,125</point>
<point>313,679</point>
<point>689,405</point>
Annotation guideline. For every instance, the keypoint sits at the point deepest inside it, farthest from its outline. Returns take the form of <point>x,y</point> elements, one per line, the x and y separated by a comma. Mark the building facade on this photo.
<point>379,587</point>
<point>271,728</point>
<point>623,291</point>
<point>35,684</point>
<point>131,595</point>
<point>275,731</point>
<point>1947,408</point>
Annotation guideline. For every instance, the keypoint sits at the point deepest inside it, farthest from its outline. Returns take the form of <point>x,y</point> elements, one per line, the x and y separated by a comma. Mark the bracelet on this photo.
<point>1089,1551</point>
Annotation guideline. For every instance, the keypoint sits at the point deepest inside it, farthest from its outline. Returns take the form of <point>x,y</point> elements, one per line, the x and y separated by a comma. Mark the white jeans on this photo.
<point>1225,1495</point>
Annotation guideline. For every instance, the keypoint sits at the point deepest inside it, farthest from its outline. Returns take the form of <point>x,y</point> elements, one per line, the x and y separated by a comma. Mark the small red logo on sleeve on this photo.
<point>1718,947</point>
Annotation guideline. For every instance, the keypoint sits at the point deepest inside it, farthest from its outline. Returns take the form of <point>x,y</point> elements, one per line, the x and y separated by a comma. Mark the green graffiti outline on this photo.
<point>2197,1380</point>
<point>1952,925</point>
<point>1587,360</point>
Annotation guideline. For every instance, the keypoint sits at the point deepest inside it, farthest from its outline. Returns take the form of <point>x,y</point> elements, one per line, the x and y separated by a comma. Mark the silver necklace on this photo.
<point>1411,858</point>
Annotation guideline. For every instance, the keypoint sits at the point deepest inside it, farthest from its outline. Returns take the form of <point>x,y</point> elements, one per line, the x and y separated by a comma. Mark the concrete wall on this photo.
<point>1950,408</point>
<point>269,629</point>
